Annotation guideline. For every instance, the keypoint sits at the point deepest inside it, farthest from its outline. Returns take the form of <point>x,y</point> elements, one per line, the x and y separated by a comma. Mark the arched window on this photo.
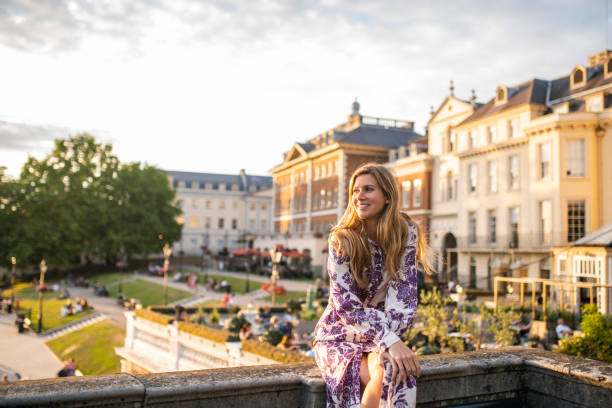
<point>501,94</point>
<point>609,67</point>
<point>578,77</point>
<point>406,187</point>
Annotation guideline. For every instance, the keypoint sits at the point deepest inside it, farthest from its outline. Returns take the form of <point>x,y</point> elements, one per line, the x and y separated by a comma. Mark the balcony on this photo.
<point>503,378</point>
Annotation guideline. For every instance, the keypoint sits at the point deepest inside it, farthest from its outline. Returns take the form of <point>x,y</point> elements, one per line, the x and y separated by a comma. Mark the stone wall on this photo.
<point>510,377</point>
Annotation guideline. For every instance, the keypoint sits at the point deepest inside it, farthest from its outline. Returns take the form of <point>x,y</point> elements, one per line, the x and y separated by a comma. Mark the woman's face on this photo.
<point>368,198</point>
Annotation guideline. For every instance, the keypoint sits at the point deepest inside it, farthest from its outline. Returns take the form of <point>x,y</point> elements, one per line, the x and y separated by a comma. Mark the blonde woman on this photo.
<point>373,252</point>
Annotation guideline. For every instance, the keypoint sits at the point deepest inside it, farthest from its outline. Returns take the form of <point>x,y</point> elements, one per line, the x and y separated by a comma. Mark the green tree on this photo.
<point>499,324</point>
<point>597,340</point>
<point>144,210</point>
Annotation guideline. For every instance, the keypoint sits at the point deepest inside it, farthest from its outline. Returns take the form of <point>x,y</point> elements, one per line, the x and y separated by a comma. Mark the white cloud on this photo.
<point>222,85</point>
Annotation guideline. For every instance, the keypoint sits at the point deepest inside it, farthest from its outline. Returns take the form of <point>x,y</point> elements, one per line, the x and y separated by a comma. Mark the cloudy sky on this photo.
<point>216,86</point>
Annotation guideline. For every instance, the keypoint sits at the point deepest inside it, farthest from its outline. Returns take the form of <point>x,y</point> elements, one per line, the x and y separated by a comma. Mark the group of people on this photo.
<point>7,305</point>
<point>100,289</point>
<point>70,309</point>
<point>221,286</point>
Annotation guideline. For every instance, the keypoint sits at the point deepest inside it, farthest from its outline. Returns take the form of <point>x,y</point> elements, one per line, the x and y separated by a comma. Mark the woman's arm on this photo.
<point>368,322</point>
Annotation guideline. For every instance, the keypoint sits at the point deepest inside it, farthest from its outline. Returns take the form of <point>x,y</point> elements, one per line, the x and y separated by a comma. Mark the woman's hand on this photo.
<point>404,362</point>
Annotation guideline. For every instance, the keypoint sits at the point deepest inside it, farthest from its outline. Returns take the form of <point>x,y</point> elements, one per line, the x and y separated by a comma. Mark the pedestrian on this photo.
<point>372,265</point>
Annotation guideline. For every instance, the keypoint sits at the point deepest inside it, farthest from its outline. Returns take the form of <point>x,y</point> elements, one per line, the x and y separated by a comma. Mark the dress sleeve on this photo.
<point>401,298</point>
<point>370,323</point>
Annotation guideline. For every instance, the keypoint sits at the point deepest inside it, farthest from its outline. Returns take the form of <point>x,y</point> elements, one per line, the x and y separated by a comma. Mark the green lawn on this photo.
<point>23,289</point>
<point>52,307</point>
<point>109,278</point>
<point>93,347</point>
<point>290,295</point>
<point>238,284</point>
<point>148,293</point>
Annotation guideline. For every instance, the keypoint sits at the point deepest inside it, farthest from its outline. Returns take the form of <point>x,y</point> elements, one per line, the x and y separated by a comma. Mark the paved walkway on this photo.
<point>25,353</point>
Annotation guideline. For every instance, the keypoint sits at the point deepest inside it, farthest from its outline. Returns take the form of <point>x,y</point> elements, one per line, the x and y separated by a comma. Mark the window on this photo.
<point>514,227</point>
<point>264,225</point>
<point>265,205</point>
<point>335,197</point>
<point>513,173</point>
<point>207,222</point>
<point>251,225</point>
<point>473,175</point>
<point>491,133</point>
<point>316,173</point>
<point>451,186</point>
<point>575,220</point>
<point>323,171</point>
<point>472,272</point>
<point>221,223</point>
<point>322,198</point>
<point>208,186</point>
<point>235,187</point>
<point>406,187</point>
<point>545,221</point>
<point>578,77</point>
<point>472,139</point>
<point>194,203</point>
<point>545,268</point>
<point>513,128</point>
<point>234,223</point>
<point>472,227</point>
<point>595,105</point>
<point>492,176</point>
<point>452,143</point>
<point>575,158</point>
<point>221,204</point>
<point>208,204</point>
<point>194,222</point>
<point>329,198</point>
<point>492,224</point>
<point>316,201</point>
<point>180,220</point>
<point>416,197</point>
<point>544,152</point>
<point>252,205</point>
<point>234,204</point>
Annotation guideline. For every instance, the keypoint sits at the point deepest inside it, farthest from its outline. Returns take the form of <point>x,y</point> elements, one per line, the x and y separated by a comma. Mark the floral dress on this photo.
<point>359,321</point>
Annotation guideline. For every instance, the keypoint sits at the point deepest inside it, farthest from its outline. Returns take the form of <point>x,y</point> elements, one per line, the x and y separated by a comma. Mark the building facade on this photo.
<point>310,185</point>
<point>533,174</point>
<point>221,211</point>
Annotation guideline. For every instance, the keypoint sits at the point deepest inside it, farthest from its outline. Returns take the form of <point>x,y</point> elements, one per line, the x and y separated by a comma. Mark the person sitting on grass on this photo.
<point>77,305</point>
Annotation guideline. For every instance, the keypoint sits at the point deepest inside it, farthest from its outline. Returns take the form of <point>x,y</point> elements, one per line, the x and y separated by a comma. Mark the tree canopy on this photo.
<point>81,200</point>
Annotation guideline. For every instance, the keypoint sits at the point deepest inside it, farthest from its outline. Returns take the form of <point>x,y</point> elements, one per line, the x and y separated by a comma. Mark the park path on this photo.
<point>25,353</point>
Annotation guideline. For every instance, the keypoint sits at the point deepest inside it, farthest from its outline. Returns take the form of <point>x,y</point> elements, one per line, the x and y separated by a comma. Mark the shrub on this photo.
<point>272,337</point>
<point>214,317</point>
<point>597,340</point>
<point>236,324</point>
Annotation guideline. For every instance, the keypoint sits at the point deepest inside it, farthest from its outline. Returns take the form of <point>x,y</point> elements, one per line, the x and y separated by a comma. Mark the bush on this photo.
<point>214,317</point>
<point>597,340</point>
<point>236,324</point>
<point>272,337</point>
<point>294,307</point>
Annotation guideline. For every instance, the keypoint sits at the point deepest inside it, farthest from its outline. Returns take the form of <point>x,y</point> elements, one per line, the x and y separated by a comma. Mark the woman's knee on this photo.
<point>364,372</point>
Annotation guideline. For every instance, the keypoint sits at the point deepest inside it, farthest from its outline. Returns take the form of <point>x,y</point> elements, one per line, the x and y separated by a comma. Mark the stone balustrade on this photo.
<point>510,377</point>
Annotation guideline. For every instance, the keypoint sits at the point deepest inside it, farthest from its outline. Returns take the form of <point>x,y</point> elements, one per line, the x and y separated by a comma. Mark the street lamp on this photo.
<point>13,262</point>
<point>43,269</point>
<point>275,256</point>
<point>167,252</point>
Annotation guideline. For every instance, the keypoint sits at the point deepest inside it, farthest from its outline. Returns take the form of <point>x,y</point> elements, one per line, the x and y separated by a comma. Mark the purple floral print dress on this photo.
<point>359,321</point>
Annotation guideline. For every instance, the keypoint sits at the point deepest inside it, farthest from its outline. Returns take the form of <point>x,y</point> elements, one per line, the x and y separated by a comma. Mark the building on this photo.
<point>532,173</point>
<point>221,210</point>
<point>443,148</point>
<point>311,183</point>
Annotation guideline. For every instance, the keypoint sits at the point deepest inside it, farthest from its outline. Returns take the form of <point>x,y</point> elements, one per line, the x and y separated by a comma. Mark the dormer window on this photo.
<point>578,77</point>
<point>501,95</point>
<point>608,67</point>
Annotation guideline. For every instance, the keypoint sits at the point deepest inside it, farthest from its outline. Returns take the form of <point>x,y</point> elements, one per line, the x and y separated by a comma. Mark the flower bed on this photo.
<point>220,336</point>
<point>153,316</point>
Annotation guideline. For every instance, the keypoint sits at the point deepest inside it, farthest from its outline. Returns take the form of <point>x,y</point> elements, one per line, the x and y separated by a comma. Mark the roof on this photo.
<point>600,237</point>
<point>308,147</point>
<point>561,86</point>
<point>532,91</point>
<point>260,182</point>
<point>377,136</point>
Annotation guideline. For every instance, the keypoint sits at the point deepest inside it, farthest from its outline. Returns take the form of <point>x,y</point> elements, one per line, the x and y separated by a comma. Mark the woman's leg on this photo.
<point>373,389</point>
<point>364,374</point>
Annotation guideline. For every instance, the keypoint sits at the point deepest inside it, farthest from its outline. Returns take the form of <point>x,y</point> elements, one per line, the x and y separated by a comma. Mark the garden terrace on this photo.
<point>502,378</point>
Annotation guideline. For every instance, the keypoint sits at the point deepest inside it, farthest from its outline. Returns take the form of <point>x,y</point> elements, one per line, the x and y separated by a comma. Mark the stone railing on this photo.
<point>511,377</point>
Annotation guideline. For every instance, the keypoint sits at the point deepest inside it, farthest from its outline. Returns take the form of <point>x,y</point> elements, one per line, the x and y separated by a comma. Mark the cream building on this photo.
<point>221,210</point>
<point>443,150</point>
<point>533,173</point>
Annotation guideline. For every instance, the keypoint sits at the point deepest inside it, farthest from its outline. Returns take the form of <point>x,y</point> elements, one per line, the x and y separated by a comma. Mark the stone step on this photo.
<point>72,326</point>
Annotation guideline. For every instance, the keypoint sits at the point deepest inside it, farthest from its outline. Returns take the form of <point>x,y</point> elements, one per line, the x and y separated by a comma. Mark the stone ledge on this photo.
<point>527,377</point>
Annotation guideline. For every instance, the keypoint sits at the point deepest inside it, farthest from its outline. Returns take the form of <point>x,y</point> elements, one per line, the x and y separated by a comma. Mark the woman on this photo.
<point>373,253</point>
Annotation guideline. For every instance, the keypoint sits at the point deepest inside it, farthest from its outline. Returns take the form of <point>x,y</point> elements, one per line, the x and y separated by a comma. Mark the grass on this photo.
<point>93,347</point>
<point>109,278</point>
<point>290,295</point>
<point>238,284</point>
<point>52,307</point>
<point>148,293</point>
<point>23,289</point>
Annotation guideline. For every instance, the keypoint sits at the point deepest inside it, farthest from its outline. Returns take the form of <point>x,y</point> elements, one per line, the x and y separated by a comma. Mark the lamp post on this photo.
<point>43,269</point>
<point>275,256</point>
<point>13,262</point>
<point>167,252</point>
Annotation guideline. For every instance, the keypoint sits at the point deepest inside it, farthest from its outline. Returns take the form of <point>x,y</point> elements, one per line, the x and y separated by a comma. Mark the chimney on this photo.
<point>473,98</point>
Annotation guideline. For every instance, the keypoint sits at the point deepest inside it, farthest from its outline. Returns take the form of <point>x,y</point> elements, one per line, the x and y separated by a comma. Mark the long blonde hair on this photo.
<point>391,231</point>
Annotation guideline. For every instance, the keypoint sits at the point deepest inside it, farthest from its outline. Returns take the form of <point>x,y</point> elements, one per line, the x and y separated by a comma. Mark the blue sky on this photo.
<point>216,86</point>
